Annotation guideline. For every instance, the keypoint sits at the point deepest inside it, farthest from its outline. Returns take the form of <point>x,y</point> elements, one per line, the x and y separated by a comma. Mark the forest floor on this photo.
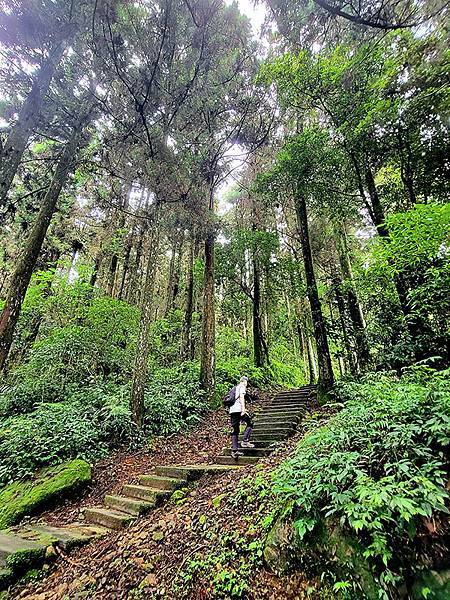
<point>143,561</point>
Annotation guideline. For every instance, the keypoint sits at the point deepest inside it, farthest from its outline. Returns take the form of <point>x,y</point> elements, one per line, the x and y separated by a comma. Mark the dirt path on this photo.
<point>200,445</point>
<point>147,560</point>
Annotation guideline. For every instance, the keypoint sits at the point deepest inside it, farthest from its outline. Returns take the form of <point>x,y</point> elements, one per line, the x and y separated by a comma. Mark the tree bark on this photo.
<point>377,207</point>
<point>173,282</point>
<point>258,350</point>
<point>207,367</point>
<point>186,345</point>
<point>16,142</point>
<point>143,341</point>
<point>323,351</point>
<point>25,266</point>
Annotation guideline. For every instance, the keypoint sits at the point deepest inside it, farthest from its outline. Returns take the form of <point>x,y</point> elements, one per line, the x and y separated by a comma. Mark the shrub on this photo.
<point>377,468</point>
<point>173,398</point>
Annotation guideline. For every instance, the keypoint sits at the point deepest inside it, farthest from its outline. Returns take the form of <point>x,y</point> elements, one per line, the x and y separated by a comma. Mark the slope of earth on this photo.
<point>205,543</point>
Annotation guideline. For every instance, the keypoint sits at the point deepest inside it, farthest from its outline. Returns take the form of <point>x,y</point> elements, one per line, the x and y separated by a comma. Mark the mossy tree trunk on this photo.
<point>187,346</point>
<point>143,341</point>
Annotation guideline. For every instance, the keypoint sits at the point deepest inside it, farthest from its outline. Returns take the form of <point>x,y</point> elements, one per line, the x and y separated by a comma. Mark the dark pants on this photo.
<point>236,419</point>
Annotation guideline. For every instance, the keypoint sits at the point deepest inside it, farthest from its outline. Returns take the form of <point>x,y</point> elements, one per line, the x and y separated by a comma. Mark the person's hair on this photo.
<point>244,379</point>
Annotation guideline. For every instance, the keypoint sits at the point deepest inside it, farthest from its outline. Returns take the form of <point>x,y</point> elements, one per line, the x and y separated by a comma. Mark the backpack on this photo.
<point>230,398</point>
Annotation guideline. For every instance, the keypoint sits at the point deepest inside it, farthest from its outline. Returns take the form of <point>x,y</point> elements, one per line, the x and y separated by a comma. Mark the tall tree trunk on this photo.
<point>377,207</point>
<point>143,341</point>
<point>311,360</point>
<point>378,211</point>
<point>27,261</point>
<point>207,368</point>
<point>16,142</point>
<point>174,274</point>
<point>125,266</point>
<point>323,351</point>
<point>256,321</point>
<point>337,287</point>
<point>186,344</point>
<point>119,222</point>
<point>177,271</point>
<point>353,304</point>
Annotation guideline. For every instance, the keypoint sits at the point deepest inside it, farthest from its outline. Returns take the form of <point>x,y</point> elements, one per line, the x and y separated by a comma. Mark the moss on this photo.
<point>26,497</point>
<point>6,577</point>
<point>22,560</point>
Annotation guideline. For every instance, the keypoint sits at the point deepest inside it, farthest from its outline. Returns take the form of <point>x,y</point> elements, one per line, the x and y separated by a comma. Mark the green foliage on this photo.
<point>84,339</point>
<point>173,399</point>
<point>24,498</point>
<point>377,467</point>
<point>51,434</point>
<point>418,252</point>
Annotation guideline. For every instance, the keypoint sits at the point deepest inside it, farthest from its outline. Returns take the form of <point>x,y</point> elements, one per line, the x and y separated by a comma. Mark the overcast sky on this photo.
<point>254,13</point>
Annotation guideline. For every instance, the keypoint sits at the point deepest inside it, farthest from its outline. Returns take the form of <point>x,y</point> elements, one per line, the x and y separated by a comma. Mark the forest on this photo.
<point>193,191</point>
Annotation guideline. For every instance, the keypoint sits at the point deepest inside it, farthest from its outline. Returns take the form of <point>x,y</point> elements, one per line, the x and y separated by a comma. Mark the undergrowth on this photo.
<point>377,468</point>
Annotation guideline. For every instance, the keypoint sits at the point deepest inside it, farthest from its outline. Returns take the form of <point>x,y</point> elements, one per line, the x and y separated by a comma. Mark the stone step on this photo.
<point>263,436</point>
<point>293,393</point>
<point>271,428</point>
<point>274,418</point>
<point>90,530</point>
<point>63,537</point>
<point>162,483</point>
<point>192,472</point>
<point>113,519</point>
<point>242,460</point>
<point>289,397</point>
<point>277,423</point>
<point>303,389</point>
<point>300,406</point>
<point>288,405</point>
<point>250,451</point>
<point>18,554</point>
<point>128,505</point>
<point>268,444</point>
<point>285,412</point>
<point>143,492</point>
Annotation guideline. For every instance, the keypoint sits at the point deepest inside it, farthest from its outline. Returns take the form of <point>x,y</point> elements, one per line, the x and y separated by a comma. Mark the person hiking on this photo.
<point>238,414</point>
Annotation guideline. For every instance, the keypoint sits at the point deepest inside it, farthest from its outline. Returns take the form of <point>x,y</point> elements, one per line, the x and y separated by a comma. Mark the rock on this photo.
<point>326,547</point>
<point>50,553</point>
<point>23,498</point>
<point>157,536</point>
<point>278,547</point>
<point>149,580</point>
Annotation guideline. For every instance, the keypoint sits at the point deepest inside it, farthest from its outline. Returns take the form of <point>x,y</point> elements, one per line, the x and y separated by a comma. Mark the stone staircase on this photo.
<point>272,425</point>
<point>26,547</point>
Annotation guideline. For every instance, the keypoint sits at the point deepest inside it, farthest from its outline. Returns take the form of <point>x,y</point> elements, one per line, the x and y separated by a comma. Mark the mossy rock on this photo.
<point>23,498</point>
<point>279,553</point>
<point>326,548</point>
<point>20,561</point>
